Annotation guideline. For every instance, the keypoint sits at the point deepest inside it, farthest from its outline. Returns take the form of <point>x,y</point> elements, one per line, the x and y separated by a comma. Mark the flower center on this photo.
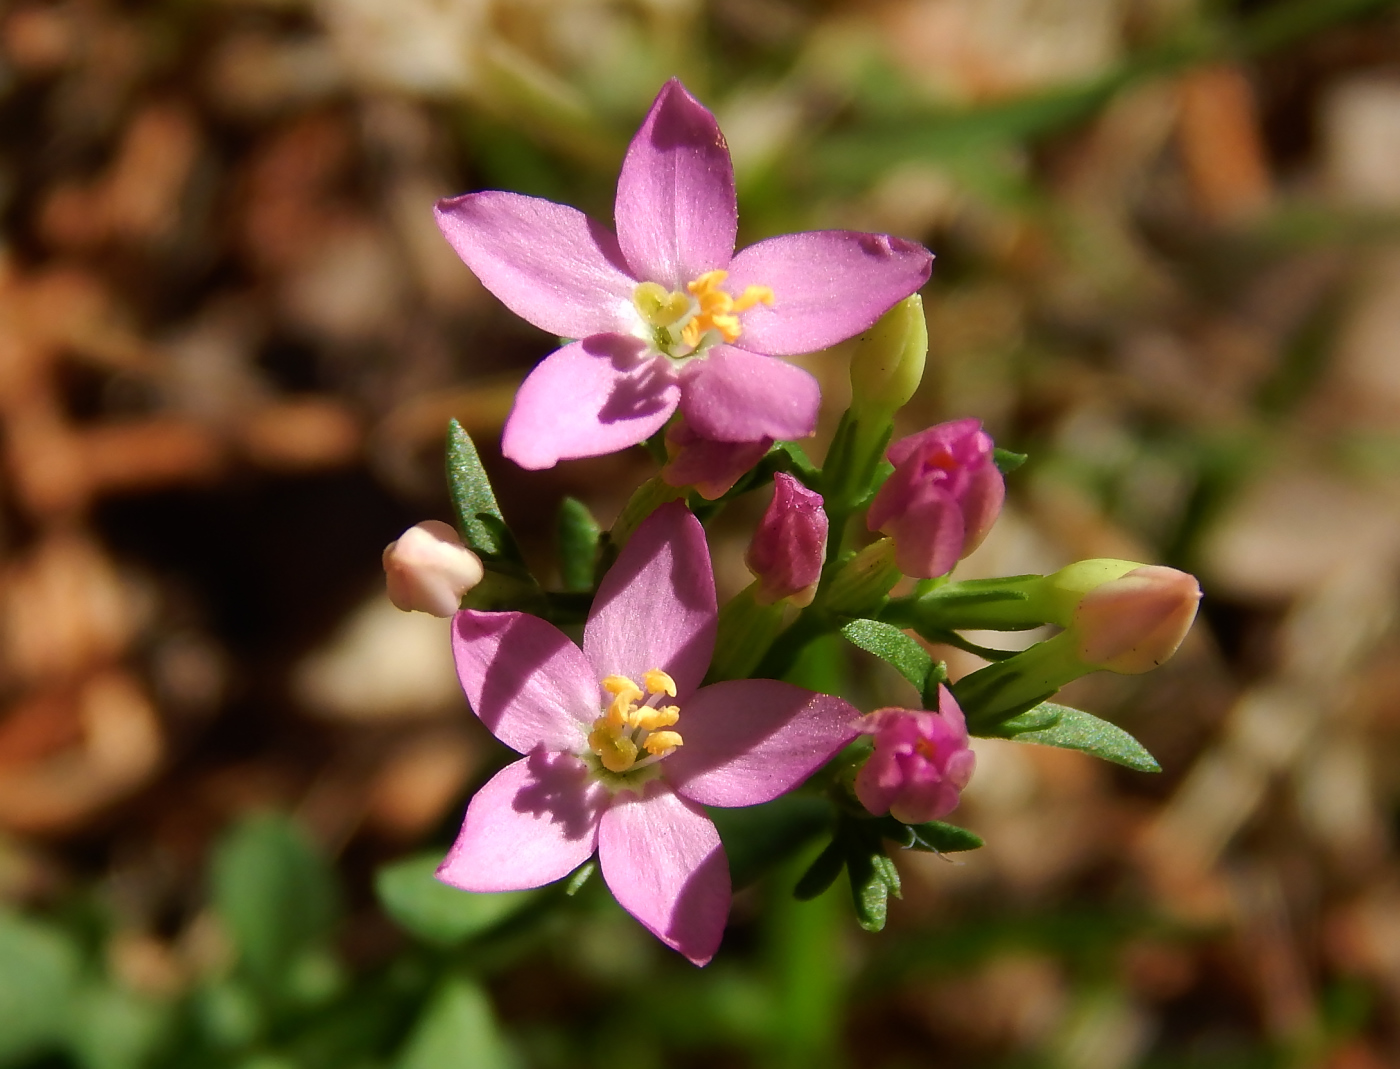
<point>627,728</point>
<point>680,324</point>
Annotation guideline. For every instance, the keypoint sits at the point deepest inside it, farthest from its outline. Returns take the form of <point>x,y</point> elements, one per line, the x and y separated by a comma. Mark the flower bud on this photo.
<point>712,467</point>
<point>889,360</point>
<point>920,764</point>
<point>942,499</point>
<point>789,546</point>
<point>1134,622</point>
<point>428,569</point>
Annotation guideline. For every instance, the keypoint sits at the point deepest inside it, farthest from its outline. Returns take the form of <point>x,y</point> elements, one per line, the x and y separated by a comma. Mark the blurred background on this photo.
<point>1168,268</point>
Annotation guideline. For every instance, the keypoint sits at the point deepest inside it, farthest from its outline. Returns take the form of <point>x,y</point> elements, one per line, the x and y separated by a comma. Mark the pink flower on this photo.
<point>920,764</point>
<point>666,313</point>
<point>788,548</point>
<point>427,569</point>
<point>622,749</point>
<point>942,499</point>
<point>711,467</point>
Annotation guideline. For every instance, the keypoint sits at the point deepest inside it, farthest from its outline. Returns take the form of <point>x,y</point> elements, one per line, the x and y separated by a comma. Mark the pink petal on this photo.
<point>749,740</point>
<point>525,680</point>
<point>656,606</point>
<point>736,396</point>
<point>548,263</point>
<point>828,285</point>
<point>662,858</point>
<point>591,397</point>
<point>676,213</point>
<point>533,822</point>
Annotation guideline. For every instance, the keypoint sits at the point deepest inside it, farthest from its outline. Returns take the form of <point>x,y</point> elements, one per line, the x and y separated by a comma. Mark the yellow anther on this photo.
<point>754,295</point>
<point>661,741</point>
<point>658,306</point>
<point>650,719</point>
<point>618,684</point>
<point>617,754</point>
<point>718,310</point>
<point>658,682</point>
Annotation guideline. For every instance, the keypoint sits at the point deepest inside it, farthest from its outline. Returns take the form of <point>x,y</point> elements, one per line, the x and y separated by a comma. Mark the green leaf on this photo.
<point>1007,461</point>
<point>822,873</point>
<point>457,1031</point>
<point>893,646</point>
<point>1074,729</point>
<point>274,892</point>
<point>38,971</point>
<point>115,1029</point>
<point>873,875</point>
<point>479,518</point>
<point>939,838</point>
<point>578,534</point>
<point>435,912</point>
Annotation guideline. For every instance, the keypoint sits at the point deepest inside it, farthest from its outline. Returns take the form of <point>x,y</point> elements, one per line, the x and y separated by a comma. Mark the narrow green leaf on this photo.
<point>822,873</point>
<point>458,1030</point>
<point>38,971</point>
<point>1074,729</point>
<point>578,534</point>
<point>479,518</point>
<point>939,838</point>
<point>893,646</point>
<point>275,894</point>
<point>1007,461</point>
<point>435,912</point>
<point>873,875</point>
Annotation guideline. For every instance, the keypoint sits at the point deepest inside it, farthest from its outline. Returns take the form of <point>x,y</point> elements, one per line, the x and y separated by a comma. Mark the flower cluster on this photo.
<point>674,702</point>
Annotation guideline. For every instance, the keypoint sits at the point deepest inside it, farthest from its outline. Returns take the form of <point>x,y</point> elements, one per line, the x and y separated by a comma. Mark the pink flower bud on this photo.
<point>712,467</point>
<point>1135,622</point>
<point>942,499</point>
<point>789,546</point>
<point>921,762</point>
<point>428,569</point>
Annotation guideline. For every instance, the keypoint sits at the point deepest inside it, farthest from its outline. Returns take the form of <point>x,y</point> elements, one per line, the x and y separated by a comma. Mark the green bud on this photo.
<point>745,631</point>
<point>889,360</point>
<point>863,582</point>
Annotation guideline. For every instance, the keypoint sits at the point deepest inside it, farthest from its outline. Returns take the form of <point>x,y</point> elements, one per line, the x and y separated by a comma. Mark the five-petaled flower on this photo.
<point>621,747</point>
<point>666,313</point>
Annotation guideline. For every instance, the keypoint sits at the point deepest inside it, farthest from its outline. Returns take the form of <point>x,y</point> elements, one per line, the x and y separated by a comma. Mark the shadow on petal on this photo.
<point>559,790</point>
<point>641,390</point>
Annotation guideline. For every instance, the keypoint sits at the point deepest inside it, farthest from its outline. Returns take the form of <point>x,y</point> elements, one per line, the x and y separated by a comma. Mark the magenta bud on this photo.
<point>1135,622</point>
<point>942,499</point>
<point>711,466</point>
<point>920,764</point>
<point>788,548</point>
<point>428,569</point>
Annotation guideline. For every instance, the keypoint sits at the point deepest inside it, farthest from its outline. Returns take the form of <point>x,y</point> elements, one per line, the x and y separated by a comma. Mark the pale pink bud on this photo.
<point>788,548</point>
<point>712,467</point>
<point>920,764</point>
<point>428,569</point>
<point>1135,622</point>
<point>942,499</point>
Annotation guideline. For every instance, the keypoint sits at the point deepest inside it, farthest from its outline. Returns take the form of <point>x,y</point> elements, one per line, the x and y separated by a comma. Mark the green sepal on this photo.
<point>873,875</point>
<point>479,517</point>
<point>952,638</point>
<point>1049,724</point>
<point>1007,461</point>
<point>822,873</point>
<point>892,646</point>
<point>578,534</point>
<point>934,837</point>
<point>580,877</point>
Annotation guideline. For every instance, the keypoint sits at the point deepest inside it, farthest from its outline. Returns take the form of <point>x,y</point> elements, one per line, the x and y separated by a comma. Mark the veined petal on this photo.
<point>828,285</point>
<point>525,680</point>
<point>736,396</point>
<point>591,397</point>
<point>534,822</point>
<point>749,740</point>
<point>663,861</point>
<point>656,606</point>
<point>548,263</point>
<point>676,213</point>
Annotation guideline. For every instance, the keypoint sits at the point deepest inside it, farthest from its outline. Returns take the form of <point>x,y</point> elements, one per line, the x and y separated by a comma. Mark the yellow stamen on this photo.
<point>661,741</point>
<point>658,682</point>
<point>718,310</point>
<point>650,719</point>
